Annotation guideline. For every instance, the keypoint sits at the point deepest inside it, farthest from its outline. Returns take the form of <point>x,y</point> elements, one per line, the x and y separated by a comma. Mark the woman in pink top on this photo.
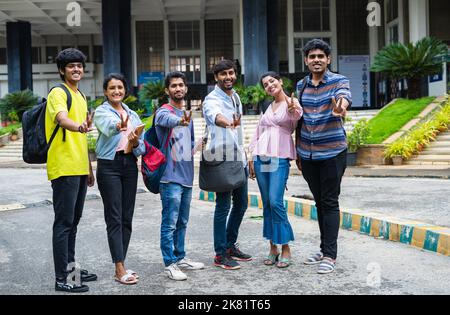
<point>272,149</point>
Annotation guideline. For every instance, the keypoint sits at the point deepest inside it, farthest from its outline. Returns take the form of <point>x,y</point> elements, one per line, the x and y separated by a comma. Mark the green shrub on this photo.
<point>17,102</point>
<point>14,131</point>
<point>402,147</point>
<point>420,136</point>
<point>358,136</point>
<point>153,90</point>
<point>92,142</point>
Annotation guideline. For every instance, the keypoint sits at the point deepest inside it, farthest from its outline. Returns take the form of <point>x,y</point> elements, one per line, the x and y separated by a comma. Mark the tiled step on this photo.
<point>433,158</point>
<point>414,162</point>
<point>441,144</point>
<point>436,151</point>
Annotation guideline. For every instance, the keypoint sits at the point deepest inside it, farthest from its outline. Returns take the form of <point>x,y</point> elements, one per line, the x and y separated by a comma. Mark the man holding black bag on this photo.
<point>221,109</point>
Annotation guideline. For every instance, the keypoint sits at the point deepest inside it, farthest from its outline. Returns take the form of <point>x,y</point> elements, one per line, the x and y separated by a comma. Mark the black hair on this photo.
<point>174,75</point>
<point>117,76</point>
<point>317,44</point>
<point>272,74</point>
<point>69,55</point>
<point>224,65</point>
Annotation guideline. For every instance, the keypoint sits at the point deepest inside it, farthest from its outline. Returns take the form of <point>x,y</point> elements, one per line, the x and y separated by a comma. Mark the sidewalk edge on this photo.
<point>414,233</point>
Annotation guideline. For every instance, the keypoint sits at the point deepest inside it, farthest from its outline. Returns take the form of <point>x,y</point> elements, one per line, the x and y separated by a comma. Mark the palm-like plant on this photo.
<point>411,62</point>
<point>17,103</point>
<point>153,90</point>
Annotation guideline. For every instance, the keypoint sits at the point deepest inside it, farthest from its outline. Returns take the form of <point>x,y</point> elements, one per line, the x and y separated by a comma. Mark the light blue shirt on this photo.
<point>219,102</point>
<point>106,119</point>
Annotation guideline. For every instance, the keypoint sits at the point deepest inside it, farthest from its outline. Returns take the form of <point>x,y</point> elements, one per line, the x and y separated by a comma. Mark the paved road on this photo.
<point>419,199</point>
<point>27,268</point>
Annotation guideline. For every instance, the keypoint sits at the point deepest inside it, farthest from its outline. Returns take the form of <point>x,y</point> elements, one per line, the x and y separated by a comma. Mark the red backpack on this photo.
<point>154,160</point>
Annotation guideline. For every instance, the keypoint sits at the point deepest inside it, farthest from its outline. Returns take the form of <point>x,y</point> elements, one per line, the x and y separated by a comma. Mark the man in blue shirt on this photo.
<point>219,109</point>
<point>176,183</point>
<point>322,147</point>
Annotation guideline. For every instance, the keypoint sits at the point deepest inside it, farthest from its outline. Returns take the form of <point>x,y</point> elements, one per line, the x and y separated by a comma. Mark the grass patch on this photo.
<point>393,118</point>
<point>5,130</point>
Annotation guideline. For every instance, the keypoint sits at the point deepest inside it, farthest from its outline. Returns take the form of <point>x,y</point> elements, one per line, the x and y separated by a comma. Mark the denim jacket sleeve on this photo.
<point>105,120</point>
<point>140,149</point>
<point>164,118</point>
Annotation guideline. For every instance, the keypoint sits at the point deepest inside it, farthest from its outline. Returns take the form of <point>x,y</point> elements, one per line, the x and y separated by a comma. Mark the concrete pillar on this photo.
<point>116,32</point>
<point>418,20</point>
<point>255,39</point>
<point>272,35</point>
<point>20,72</point>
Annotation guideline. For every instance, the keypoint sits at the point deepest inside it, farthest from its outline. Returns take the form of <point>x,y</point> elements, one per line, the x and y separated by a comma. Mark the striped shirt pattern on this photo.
<point>322,136</point>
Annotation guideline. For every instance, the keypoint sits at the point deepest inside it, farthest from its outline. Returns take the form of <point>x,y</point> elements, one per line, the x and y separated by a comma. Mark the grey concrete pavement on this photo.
<point>27,265</point>
<point>421,199</point>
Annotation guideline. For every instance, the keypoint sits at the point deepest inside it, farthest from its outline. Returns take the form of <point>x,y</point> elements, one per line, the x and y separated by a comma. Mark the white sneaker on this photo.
<point>175,273</point>
<point>190,265</point>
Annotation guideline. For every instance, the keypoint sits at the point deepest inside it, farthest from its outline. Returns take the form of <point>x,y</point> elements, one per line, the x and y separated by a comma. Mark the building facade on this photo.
<point>144,39</point>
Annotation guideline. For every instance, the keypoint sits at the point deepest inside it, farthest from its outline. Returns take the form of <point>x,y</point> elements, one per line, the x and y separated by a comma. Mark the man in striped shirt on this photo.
<point>322,147</point>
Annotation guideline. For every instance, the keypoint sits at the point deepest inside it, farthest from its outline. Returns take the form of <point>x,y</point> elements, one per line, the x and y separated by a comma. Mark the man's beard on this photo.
<point>226,87</point>
<point>177,99</point>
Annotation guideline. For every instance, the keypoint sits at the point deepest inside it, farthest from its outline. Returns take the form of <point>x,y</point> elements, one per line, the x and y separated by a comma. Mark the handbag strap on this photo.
<point>298,128</point>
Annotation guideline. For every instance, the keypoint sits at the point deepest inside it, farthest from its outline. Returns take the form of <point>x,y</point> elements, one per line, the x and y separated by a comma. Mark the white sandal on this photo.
<point>133,273</point>
<point>126,279</point>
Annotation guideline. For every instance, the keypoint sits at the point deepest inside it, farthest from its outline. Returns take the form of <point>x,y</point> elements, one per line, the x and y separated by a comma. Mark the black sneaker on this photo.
<point>226,262</point>
<point>71,288</point>
<point>235,253</point>
<point>86,276</point>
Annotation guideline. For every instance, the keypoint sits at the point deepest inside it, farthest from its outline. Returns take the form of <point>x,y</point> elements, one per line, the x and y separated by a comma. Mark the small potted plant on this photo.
<point>13,134</point>
<point>399,150</point>
<point>355,139</point>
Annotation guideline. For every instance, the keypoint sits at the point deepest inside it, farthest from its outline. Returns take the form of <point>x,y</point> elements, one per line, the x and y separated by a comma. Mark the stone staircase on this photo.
<point>12,151</point>
<point>356,115</point>
<point>251,121</point>
<point>437,153</point>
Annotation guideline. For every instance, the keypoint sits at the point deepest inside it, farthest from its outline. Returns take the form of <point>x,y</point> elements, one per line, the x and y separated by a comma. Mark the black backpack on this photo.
<point>35,146</point>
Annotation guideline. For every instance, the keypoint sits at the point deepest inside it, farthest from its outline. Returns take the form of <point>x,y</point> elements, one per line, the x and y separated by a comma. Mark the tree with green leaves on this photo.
<point>411,62</point>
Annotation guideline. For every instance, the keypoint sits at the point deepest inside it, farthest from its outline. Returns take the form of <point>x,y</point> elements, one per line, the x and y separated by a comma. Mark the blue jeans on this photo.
<point>272,175</point>
<point>226,233</point>
<point>176,203</point>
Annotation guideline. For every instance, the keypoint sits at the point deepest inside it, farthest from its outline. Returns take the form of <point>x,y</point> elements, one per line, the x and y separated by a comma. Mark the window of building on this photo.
<point>85,51</point>
<point>394,21</point>
<point>184,35</point>
<point>189,65</point>
<point>150,46</point>
<point>3,56</point>
<point>51,52</point>
<point>352,28</point>
<point>391,10</point>
<point>35,55</point>
<point>218,41</point>
<point>311,15</point>
<point>98,54</point>
<point>393,34</point>
<point>299,43</point>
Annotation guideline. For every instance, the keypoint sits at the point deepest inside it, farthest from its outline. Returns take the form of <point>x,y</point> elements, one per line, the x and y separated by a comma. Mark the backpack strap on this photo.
<point>69,105</point>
